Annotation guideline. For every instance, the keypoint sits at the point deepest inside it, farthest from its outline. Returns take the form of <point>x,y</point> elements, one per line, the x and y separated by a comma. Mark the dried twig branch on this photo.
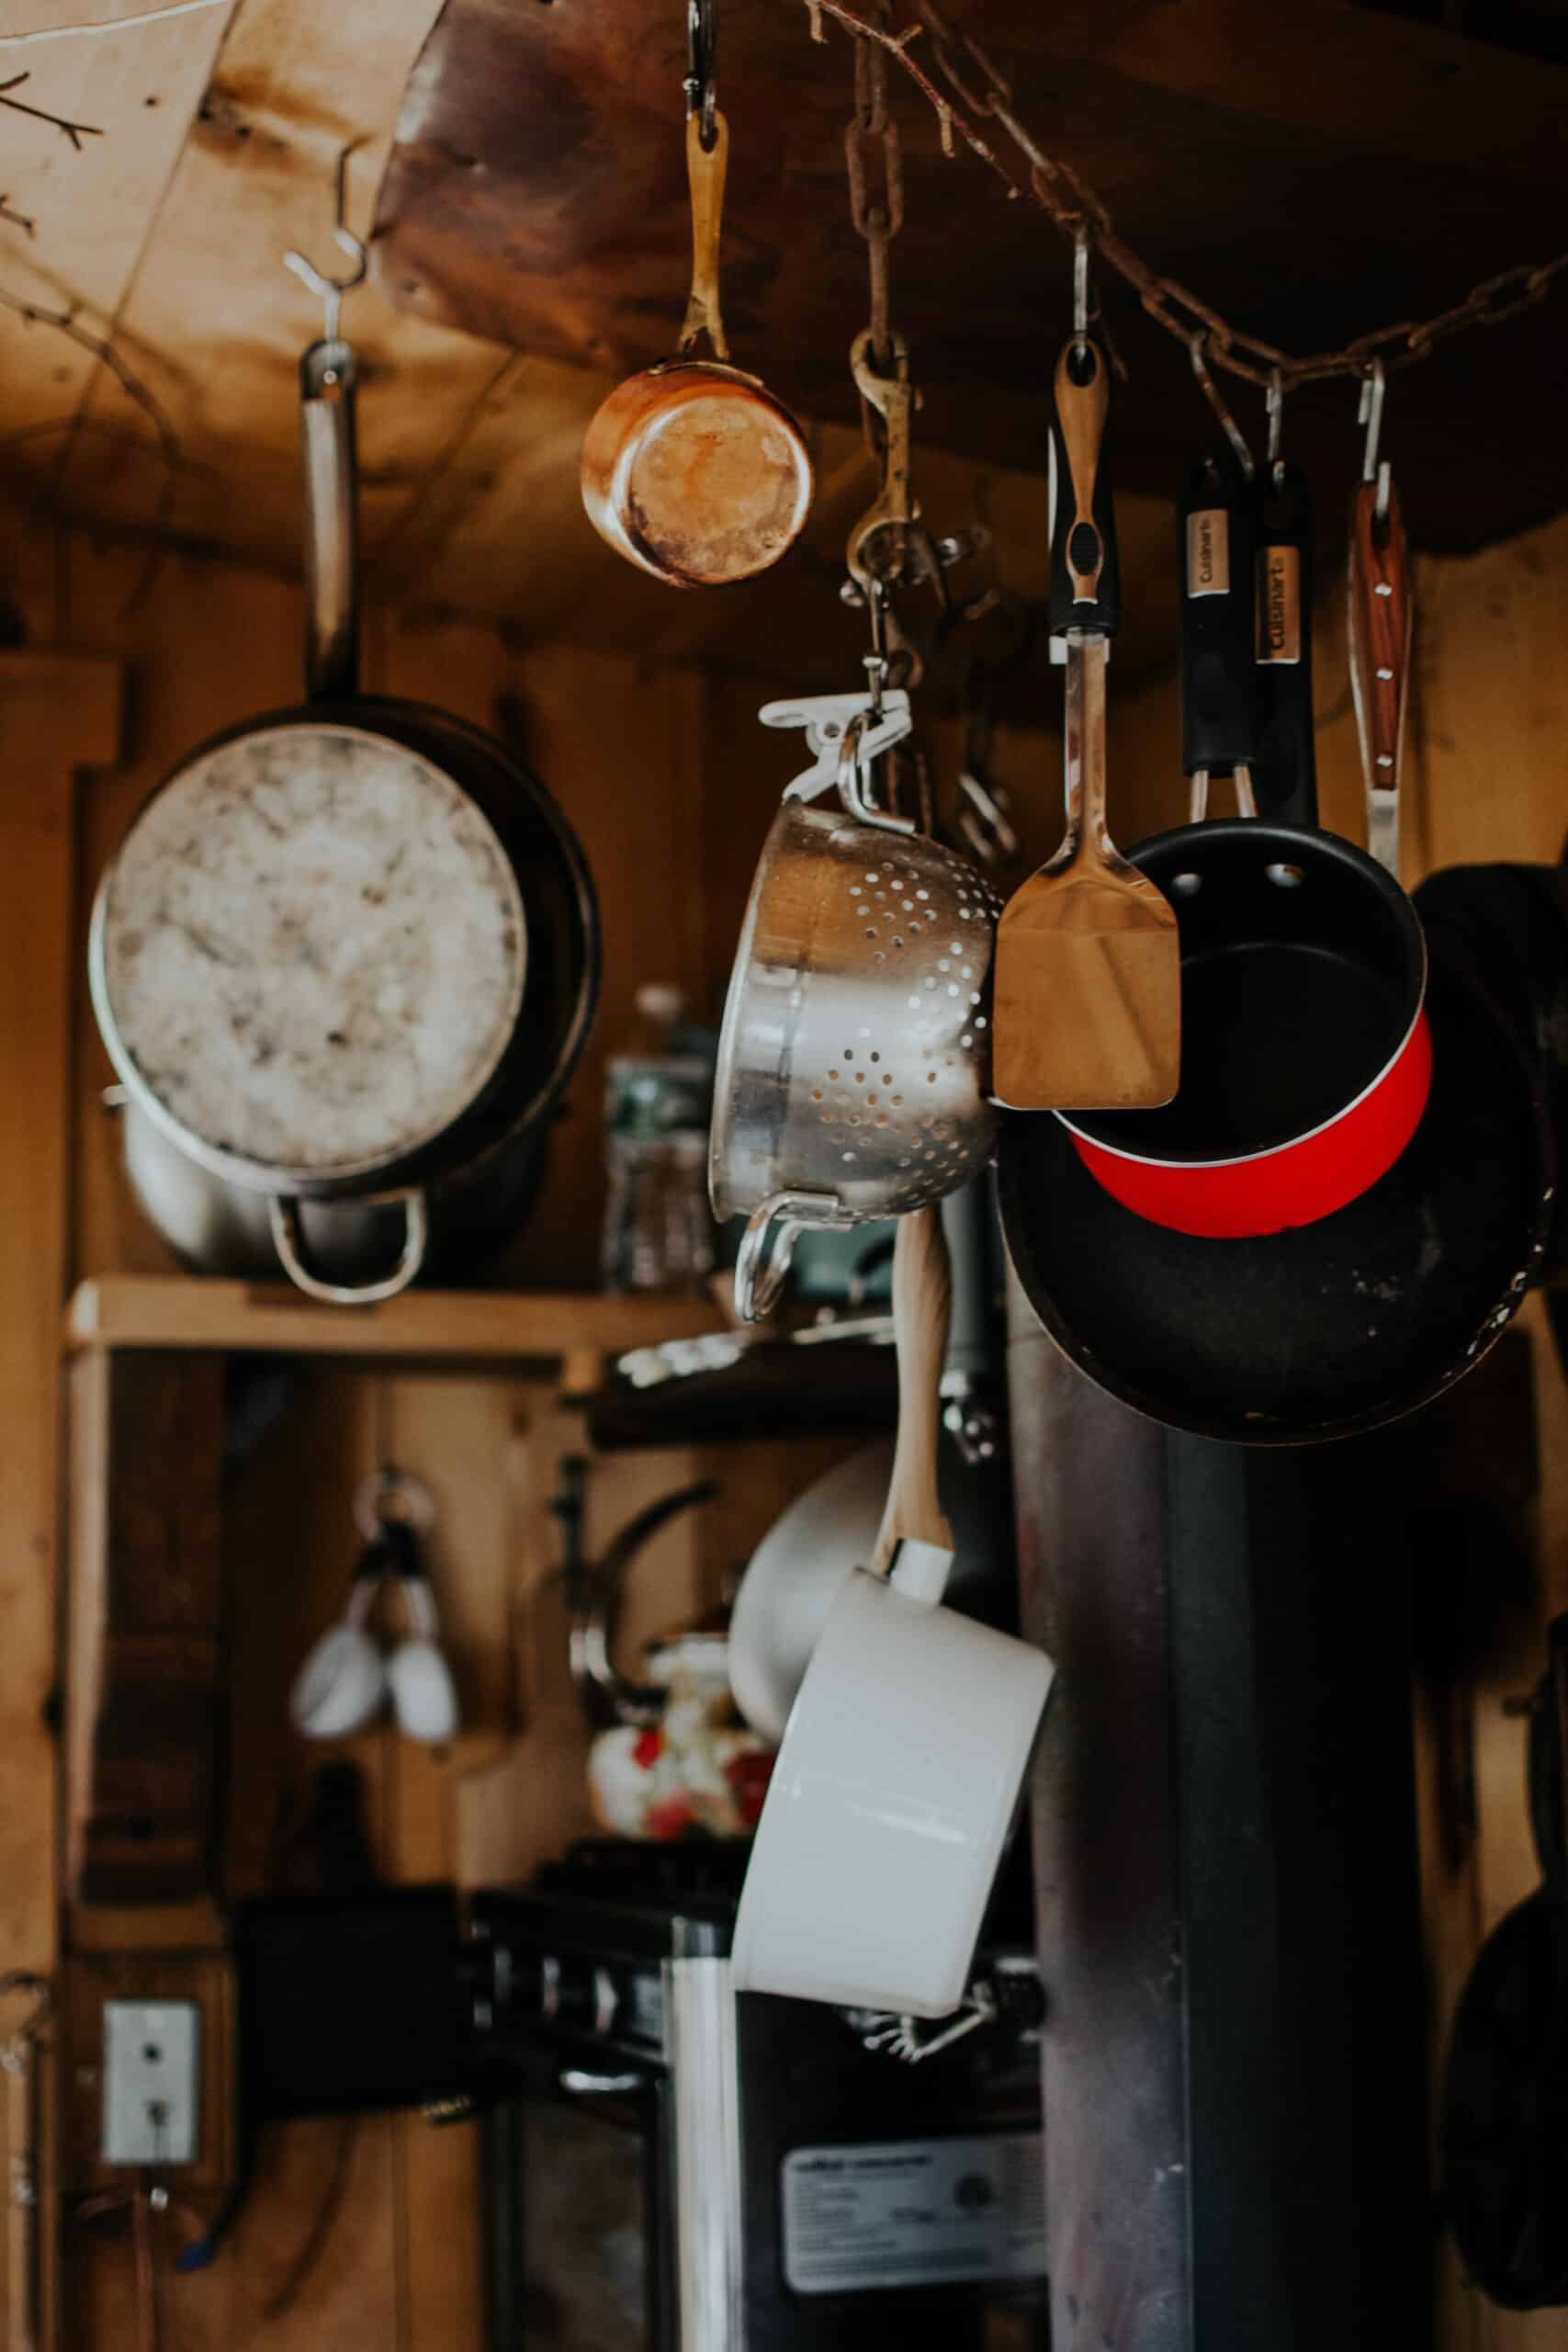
<point>74,132</point>
<point>66,323</point>
<point>17,219</point>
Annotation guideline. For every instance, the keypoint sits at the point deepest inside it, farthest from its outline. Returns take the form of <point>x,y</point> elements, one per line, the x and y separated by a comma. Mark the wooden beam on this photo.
<point>57,713</point>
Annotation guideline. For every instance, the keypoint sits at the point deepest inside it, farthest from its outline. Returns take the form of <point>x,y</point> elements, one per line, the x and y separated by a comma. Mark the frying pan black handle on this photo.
<point>1219,670</point>
<point>1086,573</point>
<point>1285,774</point>
<point>328,374</point>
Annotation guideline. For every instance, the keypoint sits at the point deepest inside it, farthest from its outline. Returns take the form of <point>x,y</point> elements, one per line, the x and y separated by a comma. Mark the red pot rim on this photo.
<point>1268,1150</point>
<point>1294,1184</point>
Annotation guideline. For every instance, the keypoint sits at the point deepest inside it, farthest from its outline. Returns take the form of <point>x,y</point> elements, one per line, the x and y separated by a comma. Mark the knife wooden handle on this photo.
<point>1380,658</point>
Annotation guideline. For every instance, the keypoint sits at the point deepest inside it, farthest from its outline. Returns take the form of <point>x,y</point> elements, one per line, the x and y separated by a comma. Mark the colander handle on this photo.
<point>767,1246</point>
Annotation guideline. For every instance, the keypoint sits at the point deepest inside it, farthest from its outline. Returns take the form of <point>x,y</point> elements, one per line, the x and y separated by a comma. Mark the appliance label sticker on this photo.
<point>908,2212</point>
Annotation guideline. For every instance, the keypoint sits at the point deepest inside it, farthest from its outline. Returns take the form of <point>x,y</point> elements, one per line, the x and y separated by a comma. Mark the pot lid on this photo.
<point>309,954</point>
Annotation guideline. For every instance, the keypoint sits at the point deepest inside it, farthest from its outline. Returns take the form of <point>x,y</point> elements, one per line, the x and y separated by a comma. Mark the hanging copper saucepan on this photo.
<point>692,470</point>
<point>1306,1057</point>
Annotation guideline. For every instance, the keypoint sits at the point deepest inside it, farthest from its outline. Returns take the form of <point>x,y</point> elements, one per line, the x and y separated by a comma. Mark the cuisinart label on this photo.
<point>913,2212</point>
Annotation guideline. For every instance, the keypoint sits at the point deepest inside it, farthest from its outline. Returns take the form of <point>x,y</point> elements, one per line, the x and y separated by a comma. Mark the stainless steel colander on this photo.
<point>854,1063</point>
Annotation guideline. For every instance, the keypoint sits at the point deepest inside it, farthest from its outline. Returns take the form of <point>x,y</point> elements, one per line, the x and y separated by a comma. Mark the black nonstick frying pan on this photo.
<point>1505,2123</point>
<point>1333,1326</point>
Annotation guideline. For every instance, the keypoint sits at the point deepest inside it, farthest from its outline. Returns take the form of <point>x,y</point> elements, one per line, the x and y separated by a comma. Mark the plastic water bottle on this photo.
<point>658,1230</point>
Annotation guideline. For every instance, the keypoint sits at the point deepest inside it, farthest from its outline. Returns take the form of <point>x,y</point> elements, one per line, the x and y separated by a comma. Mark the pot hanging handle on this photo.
<point>922,1312</point>
<point>1285,774</point>
<point>288,1240</point>
<point>1219,669</point>
<point>328,375</point>
<point>704,175</point>
<point>1379,617</point>
<point>329,372</point>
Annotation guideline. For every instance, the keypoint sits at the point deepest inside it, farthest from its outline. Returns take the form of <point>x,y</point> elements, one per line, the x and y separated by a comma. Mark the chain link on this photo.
<point>977,89</point>
<point>876,177</point>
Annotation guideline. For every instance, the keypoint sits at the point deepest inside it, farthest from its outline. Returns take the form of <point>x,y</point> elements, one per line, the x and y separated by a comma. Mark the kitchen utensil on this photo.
<point>1306,1058</point>
<point>346,955</point>
<point>1380,609</point>
<point>594,1600</point>
<point>903,1760</point>
<point>1506,2085</point>
<point>347,1677</point>
<point>1088,988</point>
<point>692,470</point>
<point>853,1064</point>
<point>1332,1326</point>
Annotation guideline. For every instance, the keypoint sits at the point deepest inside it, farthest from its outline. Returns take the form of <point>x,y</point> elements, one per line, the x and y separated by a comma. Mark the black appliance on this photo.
<point>675,2167</point>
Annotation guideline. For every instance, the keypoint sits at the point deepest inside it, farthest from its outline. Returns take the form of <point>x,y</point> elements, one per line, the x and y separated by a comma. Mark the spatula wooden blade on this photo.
<point>1087,1013</point>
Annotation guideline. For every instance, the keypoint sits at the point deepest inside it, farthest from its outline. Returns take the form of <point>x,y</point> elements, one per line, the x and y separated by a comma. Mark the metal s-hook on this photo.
<point>701,43</point>
<point>1374,388</point>
<point>1080,287</point>
<point>1196,346</point>
<point>1274,405</point>
<point>333,290</point>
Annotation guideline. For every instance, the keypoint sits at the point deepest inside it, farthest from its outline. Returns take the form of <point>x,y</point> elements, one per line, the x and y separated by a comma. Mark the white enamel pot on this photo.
<point>904,1757</point>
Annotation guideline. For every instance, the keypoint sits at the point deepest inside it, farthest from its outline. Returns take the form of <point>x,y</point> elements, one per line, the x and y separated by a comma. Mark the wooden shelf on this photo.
<point>434,1326</point>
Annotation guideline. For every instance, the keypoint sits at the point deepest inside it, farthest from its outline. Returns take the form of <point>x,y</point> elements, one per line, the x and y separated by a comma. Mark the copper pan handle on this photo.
<point>704,174</point>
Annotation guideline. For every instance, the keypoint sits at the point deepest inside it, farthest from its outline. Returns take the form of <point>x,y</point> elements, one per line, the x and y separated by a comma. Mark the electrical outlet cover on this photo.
<point>152,2082</point>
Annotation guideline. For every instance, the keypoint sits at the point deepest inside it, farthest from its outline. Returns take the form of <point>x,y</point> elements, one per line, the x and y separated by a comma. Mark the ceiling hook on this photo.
<point>1080,287</point>
<point>701,43</point>
<point>333,290</point>
<point>1274,403</point>
<point>1196,346</point>
<point>1374,390</point>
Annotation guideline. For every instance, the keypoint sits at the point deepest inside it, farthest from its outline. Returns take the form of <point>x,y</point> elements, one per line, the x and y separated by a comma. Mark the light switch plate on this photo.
<point>152,2082</point>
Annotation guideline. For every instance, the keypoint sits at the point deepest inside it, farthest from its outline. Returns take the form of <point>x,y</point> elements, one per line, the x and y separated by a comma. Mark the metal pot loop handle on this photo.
<point>767,1246</point>
<point>852,781</point>
<point>288,1240</point>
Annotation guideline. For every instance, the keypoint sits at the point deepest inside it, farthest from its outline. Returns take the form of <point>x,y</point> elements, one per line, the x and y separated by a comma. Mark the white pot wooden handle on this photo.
<point>922,1310</point>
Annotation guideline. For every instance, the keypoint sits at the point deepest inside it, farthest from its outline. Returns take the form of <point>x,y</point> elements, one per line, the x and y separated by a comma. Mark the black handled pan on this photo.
<point>1306,1057</point>
<point>1506,2088</point>
<point>1332,1326</point>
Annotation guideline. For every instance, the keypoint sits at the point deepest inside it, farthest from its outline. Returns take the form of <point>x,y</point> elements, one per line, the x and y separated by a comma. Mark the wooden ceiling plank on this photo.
<point>1313,172</point>
<point>217,323</point>
<point>40,20</point>
<point>139,85</point>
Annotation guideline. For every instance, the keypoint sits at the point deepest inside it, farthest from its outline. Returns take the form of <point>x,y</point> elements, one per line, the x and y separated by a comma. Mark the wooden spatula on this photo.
<point>1087,975</point>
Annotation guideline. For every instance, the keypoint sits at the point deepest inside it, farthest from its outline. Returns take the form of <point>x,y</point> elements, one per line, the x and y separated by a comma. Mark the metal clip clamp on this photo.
<point>825,719</point>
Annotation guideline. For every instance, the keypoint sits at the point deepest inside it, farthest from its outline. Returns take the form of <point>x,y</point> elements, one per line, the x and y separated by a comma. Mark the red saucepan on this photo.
<point>1306,1057</point>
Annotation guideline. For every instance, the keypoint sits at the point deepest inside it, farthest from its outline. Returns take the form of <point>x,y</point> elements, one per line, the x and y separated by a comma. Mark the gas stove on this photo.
<point>680,2169</point>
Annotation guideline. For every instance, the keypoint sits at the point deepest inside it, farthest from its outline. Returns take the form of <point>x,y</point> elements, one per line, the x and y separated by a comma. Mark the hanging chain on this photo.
<point>1075,207</point>
<point>876,182</point>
